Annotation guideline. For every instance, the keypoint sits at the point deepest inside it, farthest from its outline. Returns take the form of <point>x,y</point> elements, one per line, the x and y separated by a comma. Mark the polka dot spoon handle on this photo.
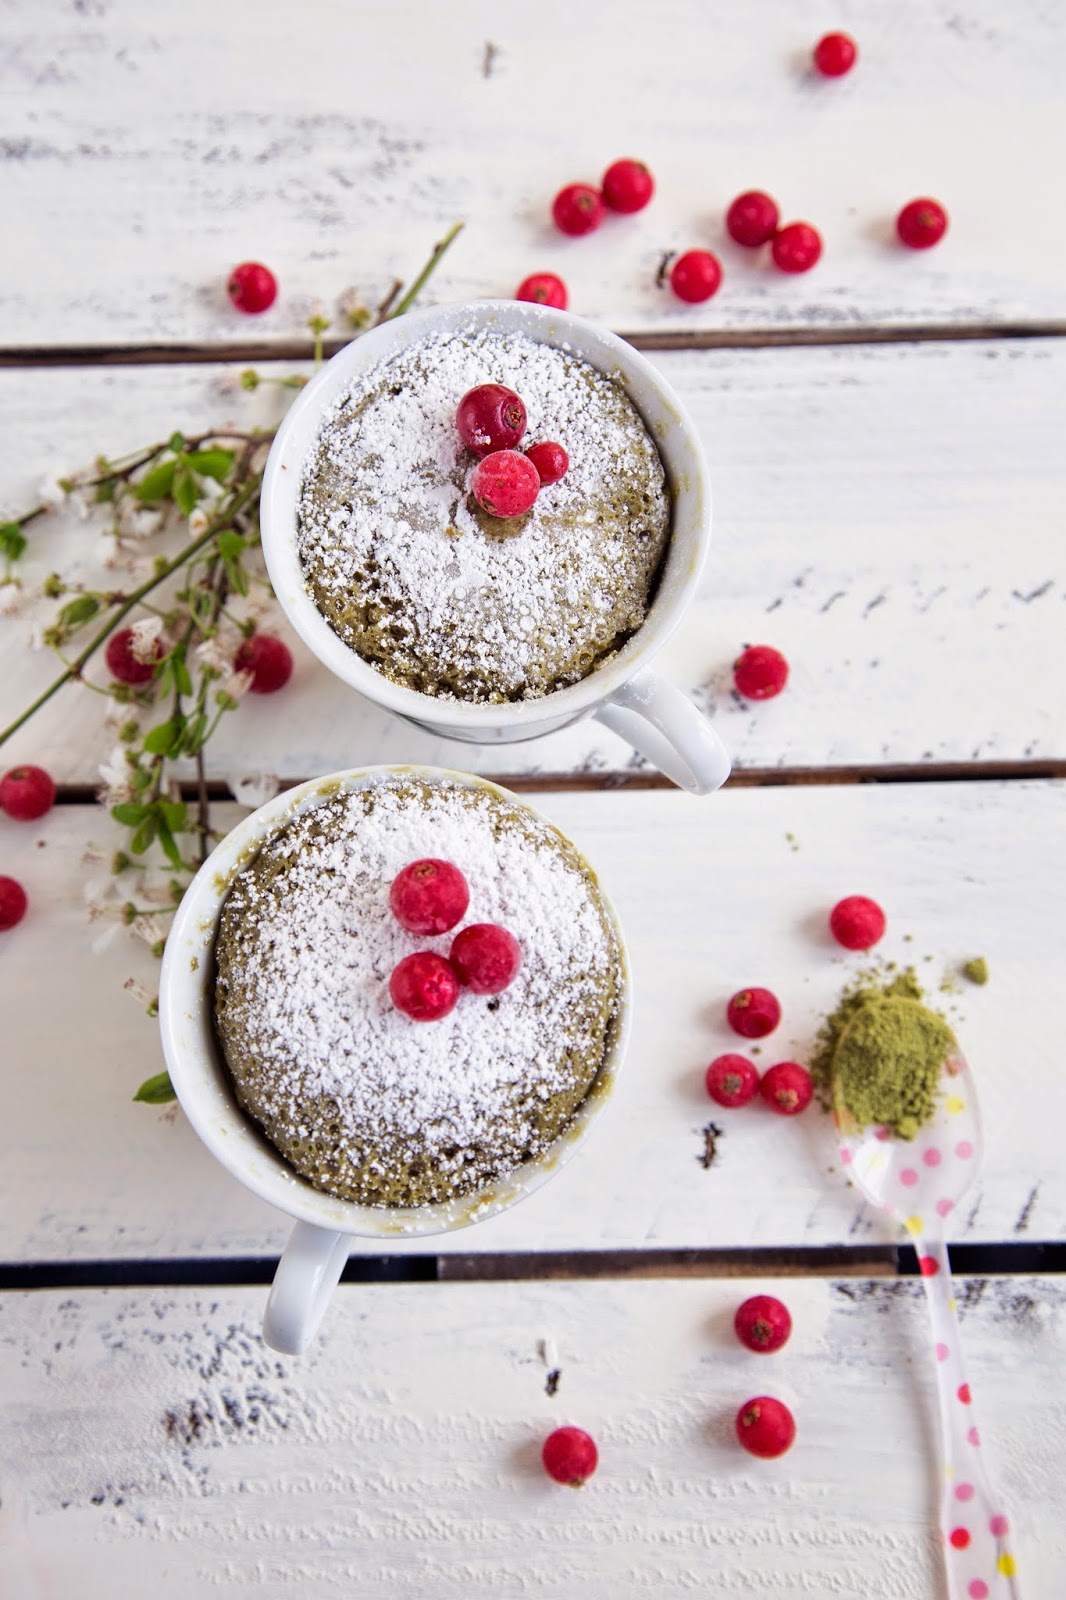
<point>977,1555</point>
<point>920,1182</point>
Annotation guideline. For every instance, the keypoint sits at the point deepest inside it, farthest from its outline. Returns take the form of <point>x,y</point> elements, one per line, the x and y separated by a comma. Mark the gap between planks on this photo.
<point>740,778</point>
<point>204,351</point>
<point>812,1261</point>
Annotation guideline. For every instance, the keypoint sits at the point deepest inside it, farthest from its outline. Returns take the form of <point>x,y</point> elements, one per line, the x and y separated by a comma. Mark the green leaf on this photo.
<point>173,813</point>
<point>237,576</point>
<point>186,490</point>
<point>130,813</point>
<point>78,610</point>
<point>177,442</point>
<point>12,540</point>
<point>181,673</point>
<point>104,491</point>
<point>141,779</point>
<point>170,848</point>
<point>156,1091</point>
<point>230,545</point>
<point>161,740</point>
<point>194,734</point>
<point>145,834</point>
<point>157,483</point>
<point>164,676</point>
<point>212,463</point>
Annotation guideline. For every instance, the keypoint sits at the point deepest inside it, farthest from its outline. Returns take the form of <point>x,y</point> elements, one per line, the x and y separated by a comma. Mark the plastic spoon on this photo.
<point>920,1182</point>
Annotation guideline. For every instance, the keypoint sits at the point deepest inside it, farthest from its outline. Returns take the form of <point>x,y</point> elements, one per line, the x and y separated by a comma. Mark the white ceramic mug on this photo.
<point>318,1247</point>
<point>625,694</point>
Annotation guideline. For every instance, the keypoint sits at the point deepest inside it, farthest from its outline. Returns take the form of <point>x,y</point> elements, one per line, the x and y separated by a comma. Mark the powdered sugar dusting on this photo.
<point>364,1101</point>
<point>441,597</point>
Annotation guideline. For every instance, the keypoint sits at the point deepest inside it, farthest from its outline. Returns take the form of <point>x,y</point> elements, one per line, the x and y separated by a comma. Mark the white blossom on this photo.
<point>237,685</point>
<point>50,491</point>
<point>150,929</point>
<point>117,778</point>
<point>146,635</point>
<point>138,522</point>
<point>198,520</point>
<point>253,788</point>
<point>139,992</point>
<point>218,653</point>
<point>10,597</point>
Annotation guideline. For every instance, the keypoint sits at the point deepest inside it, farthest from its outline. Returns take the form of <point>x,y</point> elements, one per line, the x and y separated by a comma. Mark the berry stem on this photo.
<point>437,253</point>
<point>228,509</point>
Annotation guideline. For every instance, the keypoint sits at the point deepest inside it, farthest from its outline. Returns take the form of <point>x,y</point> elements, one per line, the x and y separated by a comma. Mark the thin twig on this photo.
<point>382,312</point>
<point>241,498</point>
<point>439,250</point>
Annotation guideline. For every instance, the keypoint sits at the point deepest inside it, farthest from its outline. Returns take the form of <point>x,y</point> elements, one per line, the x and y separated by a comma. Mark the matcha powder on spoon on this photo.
<point>885,1050</point>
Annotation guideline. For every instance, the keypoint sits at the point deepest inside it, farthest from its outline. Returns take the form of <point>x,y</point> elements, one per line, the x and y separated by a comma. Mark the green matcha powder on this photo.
<point>885,1049</point>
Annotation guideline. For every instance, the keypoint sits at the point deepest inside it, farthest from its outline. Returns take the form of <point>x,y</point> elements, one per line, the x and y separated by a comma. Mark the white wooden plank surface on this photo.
<point>149,147</point>
<point>713,897</point>
<point>152,1445</point>
<point>888,516</point>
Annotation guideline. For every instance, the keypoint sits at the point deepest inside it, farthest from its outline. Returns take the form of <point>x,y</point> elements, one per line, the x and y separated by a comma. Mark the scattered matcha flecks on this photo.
<point>976,970</point>
<point>793,842</point>
<point>885,1049</point>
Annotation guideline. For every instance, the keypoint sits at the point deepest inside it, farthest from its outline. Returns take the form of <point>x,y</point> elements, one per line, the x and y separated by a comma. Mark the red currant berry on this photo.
<point>252,287</point>
<point>766,1427</point>
<point>627,186</point>
<point>570,1456</point>
<point>787,1088</point>
<point>429,896</point>
<point>922,223</point>
<point>127,667</point>
<point>760,672</point>
<point>695,276</point>
<point>550,460</point>
<point>26,793</point>
<point>731,1080</point>
<point>505,484</point>
<point>763,1323</point>
<point>13,903</point>
<point>486,957</point>
<point>544,289</point>
<point>856,922</point>
<point>835,54</point>
<point>752,218</point>
<point>577,209</point>
<point>268,659</point>
<point>424,987</point>
<point>797,247</point>
<point>753,1013</point>
<point>490,417</point>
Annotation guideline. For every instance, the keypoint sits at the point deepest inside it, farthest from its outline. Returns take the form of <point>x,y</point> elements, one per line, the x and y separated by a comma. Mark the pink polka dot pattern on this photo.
<point>964,1491</point>
<point>960,1538</point>
<point>908,1177</point>
<point>964,1393</point>
<point>942,1352</point>
<point>929,1266</point>
<point>944,1208</point>
<point>974,1437</point>
<point>964,1149</point>
<point>845,1157</point>
<point>999,1527</point>
<point>978,1589</point>
<point>932,1157</point>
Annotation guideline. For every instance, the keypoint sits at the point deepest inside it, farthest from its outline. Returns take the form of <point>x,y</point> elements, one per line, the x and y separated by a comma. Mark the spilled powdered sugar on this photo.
<point>415,577</point>
<point>363,1100</point>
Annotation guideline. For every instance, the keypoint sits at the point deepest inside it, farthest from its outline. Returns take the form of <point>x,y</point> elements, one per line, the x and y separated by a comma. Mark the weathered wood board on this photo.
<point>149,1443</point>
<point>715,895</point>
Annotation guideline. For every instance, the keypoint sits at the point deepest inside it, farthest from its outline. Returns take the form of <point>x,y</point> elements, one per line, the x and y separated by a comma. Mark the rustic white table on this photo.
<point>885,436</point>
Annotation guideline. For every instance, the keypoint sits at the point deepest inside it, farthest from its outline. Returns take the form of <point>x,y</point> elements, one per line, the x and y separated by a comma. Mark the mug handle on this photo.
<point>308,1273</point>
<point>660,722</point>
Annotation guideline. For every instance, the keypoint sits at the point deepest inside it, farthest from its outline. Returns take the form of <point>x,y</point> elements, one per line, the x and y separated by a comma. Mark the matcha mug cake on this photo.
<point>493,575</point>
<point>393,1002</point>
